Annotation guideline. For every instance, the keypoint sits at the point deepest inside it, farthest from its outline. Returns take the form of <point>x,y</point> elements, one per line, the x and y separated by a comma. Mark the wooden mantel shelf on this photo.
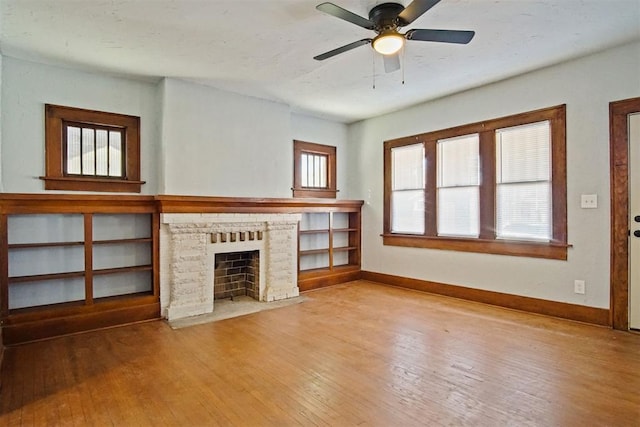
<point>198,204</point>
<point>62,202</point>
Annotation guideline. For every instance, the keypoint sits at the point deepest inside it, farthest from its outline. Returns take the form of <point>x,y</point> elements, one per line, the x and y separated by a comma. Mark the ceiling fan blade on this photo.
<point>445,36</point>
<point>391,62</point>
<point>415,9</point>
<point>341,49</point>
<point>344,14</point>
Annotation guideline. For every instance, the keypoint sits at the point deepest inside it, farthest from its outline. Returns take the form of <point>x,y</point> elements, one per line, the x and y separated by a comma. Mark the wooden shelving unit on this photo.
<point>329,246</point>
<point>75,263</point>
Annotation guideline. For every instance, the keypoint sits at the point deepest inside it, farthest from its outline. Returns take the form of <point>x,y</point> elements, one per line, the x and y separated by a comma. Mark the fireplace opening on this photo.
<point>237,274</point>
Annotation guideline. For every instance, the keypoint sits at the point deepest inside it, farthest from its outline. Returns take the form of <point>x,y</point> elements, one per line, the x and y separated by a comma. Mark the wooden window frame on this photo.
<point>301,147</point>
<point>55,177</point>
<point>556,248</point>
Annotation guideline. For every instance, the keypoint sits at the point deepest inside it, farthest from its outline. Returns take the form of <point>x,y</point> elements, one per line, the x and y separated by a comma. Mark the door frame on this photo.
<point>619,173</point>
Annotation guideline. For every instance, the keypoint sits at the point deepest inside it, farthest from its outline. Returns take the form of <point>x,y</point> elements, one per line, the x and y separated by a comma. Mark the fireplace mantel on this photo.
<point>202,204</point>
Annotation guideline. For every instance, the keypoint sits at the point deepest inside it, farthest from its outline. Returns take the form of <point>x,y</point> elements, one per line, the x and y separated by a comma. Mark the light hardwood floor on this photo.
<point>353,354</point>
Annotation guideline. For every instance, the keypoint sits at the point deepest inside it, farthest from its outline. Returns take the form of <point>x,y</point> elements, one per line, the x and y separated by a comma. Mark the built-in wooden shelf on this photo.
<point>21,324</point>
<point>98,219</point>
<point>324,237</point>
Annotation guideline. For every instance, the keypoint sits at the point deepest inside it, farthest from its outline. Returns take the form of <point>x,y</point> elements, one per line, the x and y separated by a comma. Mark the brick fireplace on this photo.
<point>189,244</point>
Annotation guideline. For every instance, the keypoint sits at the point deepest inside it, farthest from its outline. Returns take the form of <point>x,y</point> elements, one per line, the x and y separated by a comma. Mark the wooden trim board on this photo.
<point>580,313</point>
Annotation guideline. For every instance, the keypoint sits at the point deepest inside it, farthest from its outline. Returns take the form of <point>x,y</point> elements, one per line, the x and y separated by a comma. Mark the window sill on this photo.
<point>91,184</point>
<point>552,250</point>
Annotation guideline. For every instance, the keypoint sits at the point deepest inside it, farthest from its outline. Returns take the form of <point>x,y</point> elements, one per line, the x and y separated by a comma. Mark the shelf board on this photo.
<point>64,244</point>
<point>43,245</point>
<point>122,269</point>
<point>44,277</point>
<point>345,248</point>
<point>315,272</point>
<point>46,307</point>
<point>318,231</point>
<point>72,274</point>
<point>118,241</point>
<point>314,251</point>
<point>122,297</point>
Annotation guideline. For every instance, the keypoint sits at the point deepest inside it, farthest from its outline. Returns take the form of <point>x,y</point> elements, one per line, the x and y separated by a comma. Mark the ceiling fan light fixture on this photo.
<point>388,43</point>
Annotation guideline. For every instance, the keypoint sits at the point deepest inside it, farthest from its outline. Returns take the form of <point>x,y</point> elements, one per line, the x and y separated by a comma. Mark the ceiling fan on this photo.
<point>386,19</point>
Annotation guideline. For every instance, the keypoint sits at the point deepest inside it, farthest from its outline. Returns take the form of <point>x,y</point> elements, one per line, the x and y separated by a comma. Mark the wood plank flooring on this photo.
<point>353,354</point>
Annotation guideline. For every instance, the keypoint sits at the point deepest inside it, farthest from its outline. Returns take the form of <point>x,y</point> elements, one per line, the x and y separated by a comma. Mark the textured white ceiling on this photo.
<point>264,48</point>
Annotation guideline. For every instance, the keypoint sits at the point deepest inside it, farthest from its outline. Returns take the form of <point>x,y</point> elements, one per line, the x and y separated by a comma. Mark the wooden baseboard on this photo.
<point>311,282</point>
<point>580,313</point>
<point>19,333</point>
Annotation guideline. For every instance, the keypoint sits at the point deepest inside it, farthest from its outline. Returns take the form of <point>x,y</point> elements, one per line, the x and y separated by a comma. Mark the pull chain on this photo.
<point>373,64</point>
<point>403,63</point>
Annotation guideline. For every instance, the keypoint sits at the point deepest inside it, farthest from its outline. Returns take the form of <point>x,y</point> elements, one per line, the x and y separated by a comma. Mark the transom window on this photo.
<point>497,187</point>
<point>90,150</point>
<point>314,170</point>
<point>93,150</point>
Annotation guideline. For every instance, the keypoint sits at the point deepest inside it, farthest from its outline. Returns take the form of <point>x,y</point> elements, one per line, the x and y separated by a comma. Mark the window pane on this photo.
<point>523,153</point>
<point>458,211</point>
<point>524,211</point>
<point>304,171</point>
<point>407,164</point>
<point>323,172</point>
<point>458,161</point>
<point>407,215</point>
<point>458,186</point>
<point>523,175</point>
<point>115,154</point>
<point>102,165</point>
<point>73,150</point>
<point>313,171</point>
<point>316,171</point>
<point>88,152</point>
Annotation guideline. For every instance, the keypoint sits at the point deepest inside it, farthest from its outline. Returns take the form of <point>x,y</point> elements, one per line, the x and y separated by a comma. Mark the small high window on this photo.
<point>314,170</point>
<point>91,150</point>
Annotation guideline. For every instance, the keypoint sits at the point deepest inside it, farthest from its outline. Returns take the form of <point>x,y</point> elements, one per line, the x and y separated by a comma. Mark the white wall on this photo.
<point>587,86</point>
<point>217,143</point>
<point>28,86</point>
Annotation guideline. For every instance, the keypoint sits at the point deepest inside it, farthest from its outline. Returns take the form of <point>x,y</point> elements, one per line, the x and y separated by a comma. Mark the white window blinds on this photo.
<point>458,183</point>
<point>407,189</point>
<point>523,178</point>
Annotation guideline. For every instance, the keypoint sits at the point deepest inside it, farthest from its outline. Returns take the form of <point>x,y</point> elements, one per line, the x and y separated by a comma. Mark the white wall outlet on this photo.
<point>579,287</point>
<point>589,201</point>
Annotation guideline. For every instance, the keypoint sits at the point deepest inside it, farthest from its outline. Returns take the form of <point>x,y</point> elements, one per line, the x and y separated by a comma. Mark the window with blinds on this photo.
<point>458,185</point>
<point>523,182</point>
<point>407,196</point>
<point>497,186</point>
